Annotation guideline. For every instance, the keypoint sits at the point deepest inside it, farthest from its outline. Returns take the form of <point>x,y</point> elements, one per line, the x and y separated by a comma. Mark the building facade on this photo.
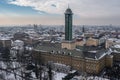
<point>88,65</point>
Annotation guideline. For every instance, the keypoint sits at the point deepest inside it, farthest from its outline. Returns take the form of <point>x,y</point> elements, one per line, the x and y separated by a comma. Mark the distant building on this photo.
<point>18,44</point>
<point>17,47</point>
<point>80,42</point>
<point>111,42</point>
<point>27,37</point>
<point>83,29</point>
<point>5,42</point>
<point>35,28</point>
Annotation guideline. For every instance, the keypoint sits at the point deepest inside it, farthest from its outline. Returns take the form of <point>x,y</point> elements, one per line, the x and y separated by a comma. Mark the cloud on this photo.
<point>84,8</point>
<point>53,5</point>
<point>48,6</point>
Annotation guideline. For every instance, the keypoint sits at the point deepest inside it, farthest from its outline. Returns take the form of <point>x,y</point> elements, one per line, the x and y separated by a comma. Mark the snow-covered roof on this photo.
<point>59,76</point>
<point>18,41</point>
<point>5,38</point>
<point>114,39</point>
<point>117,46</point>
<point>93,51</point>
<point>59,64</point>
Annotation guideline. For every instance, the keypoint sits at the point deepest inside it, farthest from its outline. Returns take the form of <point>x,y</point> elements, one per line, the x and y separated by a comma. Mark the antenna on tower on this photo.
<point>68,5</point>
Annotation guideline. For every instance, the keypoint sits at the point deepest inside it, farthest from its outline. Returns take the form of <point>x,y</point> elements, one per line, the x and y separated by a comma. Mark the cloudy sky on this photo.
<point>51,12</point>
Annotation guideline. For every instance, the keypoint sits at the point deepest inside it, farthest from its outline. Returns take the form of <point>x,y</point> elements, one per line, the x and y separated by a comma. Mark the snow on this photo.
<point>73,71</point>
<point>10,77</point>
<point>96,78</point>
<point>118,41</point>
<point>18,41</point>
<point>114,40</point>
<point>4,38</point>
<point>107,53</point>
<point>56,75</point>
<point>93,51</point>
<point>59,64</point>
<point>88,78</point>
<point>59,76</point>
<point>117,46</point>
<point>7,75</point>
<point>110,50</point>
<point>102,55</point>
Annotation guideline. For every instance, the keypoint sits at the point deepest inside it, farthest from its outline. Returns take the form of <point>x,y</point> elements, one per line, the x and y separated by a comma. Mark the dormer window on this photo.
<point>63,52</point>
<point>53,52</point>
<point>58,52</point>
<point>69,53</point>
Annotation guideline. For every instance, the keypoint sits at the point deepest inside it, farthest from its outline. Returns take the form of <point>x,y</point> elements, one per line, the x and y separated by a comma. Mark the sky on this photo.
<point>51,12</point>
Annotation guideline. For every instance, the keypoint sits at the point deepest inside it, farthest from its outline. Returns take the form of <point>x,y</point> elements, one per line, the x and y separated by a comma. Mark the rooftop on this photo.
<point>55,48</point>
<point>68,11</point>
<point>81,52</point>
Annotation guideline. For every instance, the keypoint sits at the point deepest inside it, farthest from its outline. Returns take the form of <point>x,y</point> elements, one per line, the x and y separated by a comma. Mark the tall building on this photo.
<point>68,24</point>
<point>68,43</point>
<point>83,29</point>
<point>35,28</point>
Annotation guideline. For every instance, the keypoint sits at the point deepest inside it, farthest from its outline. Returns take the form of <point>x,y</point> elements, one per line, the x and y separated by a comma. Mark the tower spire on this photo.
<point>68,6</point>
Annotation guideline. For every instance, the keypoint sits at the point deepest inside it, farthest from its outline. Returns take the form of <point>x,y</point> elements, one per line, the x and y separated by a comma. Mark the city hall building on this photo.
<point>84,58</point>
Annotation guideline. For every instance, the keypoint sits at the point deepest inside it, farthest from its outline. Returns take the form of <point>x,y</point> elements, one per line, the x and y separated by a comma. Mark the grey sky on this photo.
<point>85,11</point>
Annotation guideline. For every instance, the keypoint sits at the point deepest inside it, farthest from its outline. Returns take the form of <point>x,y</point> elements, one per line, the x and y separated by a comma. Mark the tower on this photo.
<point>83,29</point>
<point>35,28</point>
<point>68,43</point>
<point>68,24</point>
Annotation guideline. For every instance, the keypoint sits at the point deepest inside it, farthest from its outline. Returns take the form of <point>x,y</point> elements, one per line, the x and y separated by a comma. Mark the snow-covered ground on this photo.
<point>59,76</point>
<point>8,73</point>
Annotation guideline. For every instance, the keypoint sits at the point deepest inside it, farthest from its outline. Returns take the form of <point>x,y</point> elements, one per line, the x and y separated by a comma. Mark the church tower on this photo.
<point>68,24</point>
